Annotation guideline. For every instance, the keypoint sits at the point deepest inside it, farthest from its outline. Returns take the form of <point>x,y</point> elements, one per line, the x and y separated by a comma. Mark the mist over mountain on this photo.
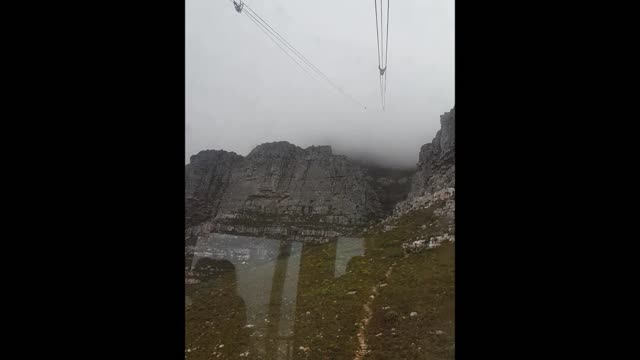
<point>374,149</point>
<point>311,193</point>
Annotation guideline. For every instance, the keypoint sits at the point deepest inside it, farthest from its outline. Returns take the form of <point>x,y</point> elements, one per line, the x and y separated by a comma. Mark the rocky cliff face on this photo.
<point>432,189</point>
<point>436,166</point>
<point>207,177</point>
<point>279,190</point>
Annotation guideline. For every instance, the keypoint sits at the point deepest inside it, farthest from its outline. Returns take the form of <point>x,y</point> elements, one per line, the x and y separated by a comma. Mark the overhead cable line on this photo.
<point>277,44</point>
<point>382,39</point>
<point>283,43</point>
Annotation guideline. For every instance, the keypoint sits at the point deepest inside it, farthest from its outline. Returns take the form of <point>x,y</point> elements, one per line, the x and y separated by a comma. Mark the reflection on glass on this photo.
<point>347,248</point>
<point>267,273</point>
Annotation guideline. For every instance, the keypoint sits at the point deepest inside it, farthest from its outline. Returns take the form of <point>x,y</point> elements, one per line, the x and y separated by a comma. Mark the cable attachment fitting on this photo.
<point>239,5</point>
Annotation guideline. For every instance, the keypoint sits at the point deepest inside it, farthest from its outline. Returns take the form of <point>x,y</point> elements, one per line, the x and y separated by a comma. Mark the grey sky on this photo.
<point>241,90</point>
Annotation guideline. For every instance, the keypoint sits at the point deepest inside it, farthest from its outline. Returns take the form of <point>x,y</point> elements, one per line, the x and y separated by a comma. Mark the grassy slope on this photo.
<point>422,282</point>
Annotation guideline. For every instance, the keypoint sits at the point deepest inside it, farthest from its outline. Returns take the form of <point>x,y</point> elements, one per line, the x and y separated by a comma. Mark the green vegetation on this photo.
<point>329,310</point>
<point>422,283</point>
<point>216,317</point>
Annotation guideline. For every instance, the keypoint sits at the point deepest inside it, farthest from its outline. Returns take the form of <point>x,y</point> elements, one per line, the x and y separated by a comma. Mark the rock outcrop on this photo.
<point>279,190</point>
<point>207,177</point>
<point>436,166</point>
<point>433,187</point>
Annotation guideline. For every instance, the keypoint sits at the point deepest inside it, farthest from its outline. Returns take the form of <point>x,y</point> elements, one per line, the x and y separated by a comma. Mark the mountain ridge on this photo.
<point>281,190</point>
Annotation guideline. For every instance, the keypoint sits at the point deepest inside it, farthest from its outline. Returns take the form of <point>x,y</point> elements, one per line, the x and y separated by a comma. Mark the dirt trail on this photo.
<point>368,313</point>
